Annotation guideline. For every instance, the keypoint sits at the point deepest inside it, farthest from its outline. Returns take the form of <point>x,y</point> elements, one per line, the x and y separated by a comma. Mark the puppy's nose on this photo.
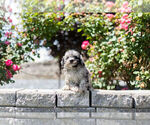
<point>71,61</point>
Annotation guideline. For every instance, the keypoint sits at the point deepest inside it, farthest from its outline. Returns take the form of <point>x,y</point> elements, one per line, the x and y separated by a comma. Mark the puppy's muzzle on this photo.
<point>73,62</point>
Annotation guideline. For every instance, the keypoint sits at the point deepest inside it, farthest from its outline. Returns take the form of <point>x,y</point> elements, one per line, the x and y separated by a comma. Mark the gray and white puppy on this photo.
<point>77,77</point>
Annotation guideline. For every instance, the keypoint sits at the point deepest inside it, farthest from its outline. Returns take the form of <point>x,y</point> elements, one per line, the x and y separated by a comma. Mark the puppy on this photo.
<point>77,77</point>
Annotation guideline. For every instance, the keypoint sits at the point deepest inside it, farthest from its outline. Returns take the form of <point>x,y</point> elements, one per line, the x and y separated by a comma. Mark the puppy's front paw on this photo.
<point>75,89</point>
<point>66,87</point>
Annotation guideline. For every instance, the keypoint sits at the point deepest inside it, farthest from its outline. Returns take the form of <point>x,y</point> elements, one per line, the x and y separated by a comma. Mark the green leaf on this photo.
<point>136,72</point>
<point>108,87</point>
<point>13,27</point>
<point>79,30</point>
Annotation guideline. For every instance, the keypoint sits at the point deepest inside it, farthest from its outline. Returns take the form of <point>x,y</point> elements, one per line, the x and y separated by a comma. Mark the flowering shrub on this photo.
<point>119,49</point>
<point>12,52</point>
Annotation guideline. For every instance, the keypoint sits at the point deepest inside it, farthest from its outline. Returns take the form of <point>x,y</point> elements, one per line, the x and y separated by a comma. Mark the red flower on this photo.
<point>100,74</point>
<point>8,74</point>
<point>16,67</point>
<point>85,44</point>
<point>10,20</point>
<point>125,88</point>
<point>19,44</point>
<point>8,63</point>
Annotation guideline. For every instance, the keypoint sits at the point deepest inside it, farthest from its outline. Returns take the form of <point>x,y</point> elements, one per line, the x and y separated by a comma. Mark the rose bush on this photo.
<point>12,53</point>
<point>119,48</point>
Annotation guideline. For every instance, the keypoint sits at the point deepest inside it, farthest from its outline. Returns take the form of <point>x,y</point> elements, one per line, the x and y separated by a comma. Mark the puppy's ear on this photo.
<point>62,63</point>
<point>81,60</point>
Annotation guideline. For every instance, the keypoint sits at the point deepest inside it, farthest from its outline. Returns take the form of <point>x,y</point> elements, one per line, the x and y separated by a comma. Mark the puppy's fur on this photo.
<point>77,77</point>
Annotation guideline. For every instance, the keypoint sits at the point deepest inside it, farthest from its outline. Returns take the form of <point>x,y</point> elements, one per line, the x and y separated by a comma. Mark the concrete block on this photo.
<point>142,98</point>
<point>8,97</point>
<point>36,98</point>
<point>72,99</point>
<point>111,99</point>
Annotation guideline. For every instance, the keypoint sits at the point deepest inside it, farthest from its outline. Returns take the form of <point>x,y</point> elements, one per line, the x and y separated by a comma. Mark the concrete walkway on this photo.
<point>34,84</point>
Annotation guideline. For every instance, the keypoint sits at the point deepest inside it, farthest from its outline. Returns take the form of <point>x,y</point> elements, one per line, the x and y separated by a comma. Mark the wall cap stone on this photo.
<point>44,98</point>
<point>116,99</point>
<point>36,98</point>
<point>8,97</point>
<point>72,99</point>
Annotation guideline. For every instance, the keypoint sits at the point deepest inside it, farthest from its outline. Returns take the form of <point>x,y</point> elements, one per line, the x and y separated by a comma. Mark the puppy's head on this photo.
<point>72,59</point>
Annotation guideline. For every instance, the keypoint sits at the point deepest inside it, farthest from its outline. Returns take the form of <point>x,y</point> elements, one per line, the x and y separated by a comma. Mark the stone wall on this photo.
<point>69,101</point>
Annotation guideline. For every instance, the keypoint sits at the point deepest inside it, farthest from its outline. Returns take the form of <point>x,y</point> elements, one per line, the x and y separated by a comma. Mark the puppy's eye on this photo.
<point>76,57</point>
<point>67,57</point>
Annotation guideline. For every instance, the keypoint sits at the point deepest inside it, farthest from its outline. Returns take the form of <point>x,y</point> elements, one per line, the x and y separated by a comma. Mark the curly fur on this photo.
<point>77,76</point>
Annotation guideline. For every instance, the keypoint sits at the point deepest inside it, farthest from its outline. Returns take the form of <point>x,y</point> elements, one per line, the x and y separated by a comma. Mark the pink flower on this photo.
<point>7,34</point>
<point>92,59</point>
<point>128,21</point>
<point>123,21</point>
<point>128,9</point>
<point>10,33</point>
<point>7,42</point>
<point>8,74</point>
<point>109,4</point>
<point>122,10</point>
<point>110,16</point>
<point>125,4</point>
<point>125,8</point>
<point>8,63</point>
<point>85,44</point>
<point>10,9</point>
<point>19,44</point>
<point>16,67</point>
<point>32,29</point>
<point>130,31</point>
<point>124,26</point>
<point>10,20</point>
<point>125,16</point>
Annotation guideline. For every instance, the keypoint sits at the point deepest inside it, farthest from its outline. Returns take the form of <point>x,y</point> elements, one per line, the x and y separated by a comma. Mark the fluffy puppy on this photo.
<point>77,76</point>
